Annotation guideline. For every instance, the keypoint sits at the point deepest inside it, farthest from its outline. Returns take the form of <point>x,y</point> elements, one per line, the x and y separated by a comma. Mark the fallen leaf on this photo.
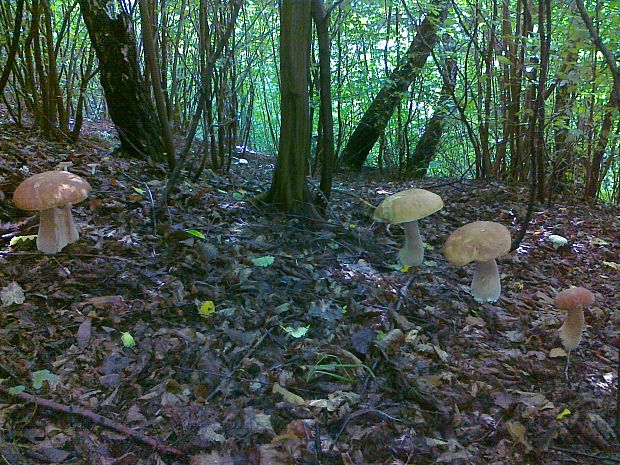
<point>12,294</point>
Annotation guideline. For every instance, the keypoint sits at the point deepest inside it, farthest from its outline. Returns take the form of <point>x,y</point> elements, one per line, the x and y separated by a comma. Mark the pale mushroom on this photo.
<point>52,193</point>
<point>481,242</point>
<point>406,208</point>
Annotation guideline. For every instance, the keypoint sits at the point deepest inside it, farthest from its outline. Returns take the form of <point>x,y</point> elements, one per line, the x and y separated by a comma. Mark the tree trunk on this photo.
<point>566,82</point>
<point>288,187</point>
<point>128,101</point>
<point>150,52</point>
<point>427,144</point>
<point>593,174</point>
<point>321,20</point>
<point>377,116</point>
<point>19,14</point>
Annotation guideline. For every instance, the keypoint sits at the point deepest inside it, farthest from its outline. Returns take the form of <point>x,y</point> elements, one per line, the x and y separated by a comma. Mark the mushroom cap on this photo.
<point>575,298</point>
<point>406,206</point>
<point>478,241</point>
<point>50,189</point>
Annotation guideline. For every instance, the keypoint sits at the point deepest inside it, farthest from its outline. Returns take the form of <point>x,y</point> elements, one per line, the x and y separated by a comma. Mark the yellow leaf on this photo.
<point>405,268</point>
<point>288,395</point>
<point>207,309</point>
<point>563,413</point>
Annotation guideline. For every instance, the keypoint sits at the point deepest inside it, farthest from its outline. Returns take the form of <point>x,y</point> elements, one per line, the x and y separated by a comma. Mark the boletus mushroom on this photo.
<point>572,301</point>
<point>406,208</point>
<point>481,242</point>
<point>52,193</point>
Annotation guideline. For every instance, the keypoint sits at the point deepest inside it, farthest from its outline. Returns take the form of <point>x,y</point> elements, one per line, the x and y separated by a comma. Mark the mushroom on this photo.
<point>482,242</point>
<point>52,193</point>
<point>572,301</point>
<point>406,208</point>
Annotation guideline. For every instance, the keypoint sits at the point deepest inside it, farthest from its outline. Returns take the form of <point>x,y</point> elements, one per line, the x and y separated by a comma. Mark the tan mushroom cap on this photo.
<point>478,241</point>
<point>50,189</point>
<point>406,206</point>
<point>573,299</point>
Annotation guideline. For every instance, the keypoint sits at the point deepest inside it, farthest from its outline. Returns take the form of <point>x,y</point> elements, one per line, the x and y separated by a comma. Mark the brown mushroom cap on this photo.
<point>50,189</point>
<point>573,299</point>
<point>406,206</point>
<point>478,241</point>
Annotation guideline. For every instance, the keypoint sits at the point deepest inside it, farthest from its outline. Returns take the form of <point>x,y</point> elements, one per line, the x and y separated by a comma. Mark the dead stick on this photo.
<point>95,418</point>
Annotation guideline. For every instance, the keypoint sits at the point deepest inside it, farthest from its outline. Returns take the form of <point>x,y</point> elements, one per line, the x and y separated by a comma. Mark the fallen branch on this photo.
<point>95,418</point>
<point>584,454</point>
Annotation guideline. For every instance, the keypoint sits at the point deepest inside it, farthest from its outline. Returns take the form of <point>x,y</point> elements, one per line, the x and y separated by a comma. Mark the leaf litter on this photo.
<point>241,336</point>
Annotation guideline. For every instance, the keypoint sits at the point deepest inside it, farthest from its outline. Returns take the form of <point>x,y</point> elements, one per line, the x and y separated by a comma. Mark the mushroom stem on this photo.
<point>571,329</point>
<point>412,253</point>
<point>56,229</point>
<point>485,286</point>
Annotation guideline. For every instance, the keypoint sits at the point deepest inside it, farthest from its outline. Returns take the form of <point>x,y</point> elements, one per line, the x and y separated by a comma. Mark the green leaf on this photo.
<point>138,190</point>
<point>238,196</point>
<point>207,309</point>
<point>563,413</point>
<point>265,261</point>
<point>128,340</point>
<point>39,377</point>
<point>198,234</point>
<point>296,332</point>
<point>17,239</point>
<point>16,390</point>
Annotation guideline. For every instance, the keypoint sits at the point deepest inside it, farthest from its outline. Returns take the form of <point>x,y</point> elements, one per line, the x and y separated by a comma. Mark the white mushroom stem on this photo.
<point>486,287</point>
<point>412,253</point>
<point>570,331</point>
<point>56,229</point>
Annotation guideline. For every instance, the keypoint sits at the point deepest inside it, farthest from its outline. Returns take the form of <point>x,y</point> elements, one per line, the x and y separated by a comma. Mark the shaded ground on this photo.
<point>460,383</point>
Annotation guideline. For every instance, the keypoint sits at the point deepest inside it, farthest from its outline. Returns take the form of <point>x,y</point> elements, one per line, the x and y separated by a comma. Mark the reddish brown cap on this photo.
<point>50,189</point>
<point>573,299</point>
<point>477,242</point>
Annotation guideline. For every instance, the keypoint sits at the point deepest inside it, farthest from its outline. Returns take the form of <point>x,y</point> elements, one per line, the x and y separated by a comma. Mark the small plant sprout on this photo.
<point>572,301</point>
<point>406,208</point>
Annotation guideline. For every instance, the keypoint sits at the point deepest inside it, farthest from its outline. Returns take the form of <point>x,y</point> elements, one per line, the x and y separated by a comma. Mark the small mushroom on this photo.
<point>572,301</point>
<point>52,193</point>
<point>481,242</point>
<point>406,208</point>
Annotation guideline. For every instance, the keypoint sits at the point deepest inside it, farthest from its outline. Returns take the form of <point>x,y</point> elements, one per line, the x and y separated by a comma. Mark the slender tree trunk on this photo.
<point>377,116</point>
<point>19,14</point>
<point>563,111</point>
<point>289,190</point>
<point>321,20</point>
<point>427,144</point>
<point>126,94</point>
<point>593,180</point>
<point>150,53</point>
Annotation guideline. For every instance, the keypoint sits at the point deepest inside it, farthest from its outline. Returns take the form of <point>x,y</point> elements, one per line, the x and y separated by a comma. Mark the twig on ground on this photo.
<point>95,418</point>
<point>584,454</point>
<point>70,255</point>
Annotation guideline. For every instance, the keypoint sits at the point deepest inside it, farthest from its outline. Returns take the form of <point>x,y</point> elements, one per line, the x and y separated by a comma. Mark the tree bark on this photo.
<point>289,190</point>
<point>377,116</point>
<point>427,144</point>
<point>126,94</point>
<point>19,14</point>
<point>150,53</point>
<point>321,20</point>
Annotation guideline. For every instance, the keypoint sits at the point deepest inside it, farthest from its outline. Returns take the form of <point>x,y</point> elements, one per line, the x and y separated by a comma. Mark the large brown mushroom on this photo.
<point>406,208</point>
<point>52,193</point>
<point>481,242</point>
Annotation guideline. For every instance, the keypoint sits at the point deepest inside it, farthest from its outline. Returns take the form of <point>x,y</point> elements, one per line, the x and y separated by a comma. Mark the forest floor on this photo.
<point>298,361</point>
